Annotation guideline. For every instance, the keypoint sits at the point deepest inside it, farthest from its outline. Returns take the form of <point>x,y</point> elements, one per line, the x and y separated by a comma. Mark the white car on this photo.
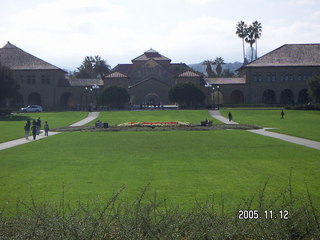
<point>32,108</point>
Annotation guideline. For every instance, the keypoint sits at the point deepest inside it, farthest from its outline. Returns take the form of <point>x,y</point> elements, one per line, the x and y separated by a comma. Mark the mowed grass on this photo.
<point>180,166</point>
<point>12,127</point>
<point>191,116</point>
<point>298,123</point>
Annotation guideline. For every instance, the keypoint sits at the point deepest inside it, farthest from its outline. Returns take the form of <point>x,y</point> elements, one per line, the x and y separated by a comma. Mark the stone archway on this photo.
<point>217,97</point>
<point>34,98</point>
<point>237,97</point>
<point>133,100</point>
<point>268,97</point>
<point>151,99</point>
<point>67,100</point>
<point>303,96</point>
<point>286,97</point>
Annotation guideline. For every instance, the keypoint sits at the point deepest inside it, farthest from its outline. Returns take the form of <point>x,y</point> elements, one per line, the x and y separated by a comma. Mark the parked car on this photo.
<point>32,108</point>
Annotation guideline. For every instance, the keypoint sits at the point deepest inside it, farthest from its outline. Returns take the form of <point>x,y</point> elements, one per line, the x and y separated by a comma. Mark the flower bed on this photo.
<point>153,124</point>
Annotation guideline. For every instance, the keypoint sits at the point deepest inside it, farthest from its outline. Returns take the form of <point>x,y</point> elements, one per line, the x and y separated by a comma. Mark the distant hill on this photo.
<point>202,68</point>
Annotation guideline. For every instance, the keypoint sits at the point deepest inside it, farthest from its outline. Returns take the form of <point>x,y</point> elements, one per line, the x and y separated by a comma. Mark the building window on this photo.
<point>271,77</point>
<point>303,76</point>
<point>21,79</point>
<point>28,79</point>
<point>43,79</point>
<point>257,77</point>
<point>33,79</point>
<point>48,79</point>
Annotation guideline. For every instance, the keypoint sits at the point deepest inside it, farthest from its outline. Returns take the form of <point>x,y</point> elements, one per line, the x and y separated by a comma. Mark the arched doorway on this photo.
<point>67,100</point>
<point>268,97</point>
<point>237,97</point>
<point>217,97</point>
<point>133,100</point>
<point>303,96</point>
<point>34,99</point>
<point>151,99</point>
<point>286,97</point>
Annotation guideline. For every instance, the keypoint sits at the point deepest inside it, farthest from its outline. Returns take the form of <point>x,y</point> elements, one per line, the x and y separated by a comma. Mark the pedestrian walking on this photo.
<point>38,126</point>
<point>282,114</point>
<point>230,116</point>
<point>34,129</point>
<point>46,128</point>
<point>27,129</point>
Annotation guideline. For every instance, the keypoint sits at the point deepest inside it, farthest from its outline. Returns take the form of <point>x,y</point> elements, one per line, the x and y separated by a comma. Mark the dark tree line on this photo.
<point>8,87</point>
<point>186,94</point>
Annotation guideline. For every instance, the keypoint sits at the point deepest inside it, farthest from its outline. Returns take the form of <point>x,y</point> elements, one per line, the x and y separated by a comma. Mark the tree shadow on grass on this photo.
<point>14,118</point>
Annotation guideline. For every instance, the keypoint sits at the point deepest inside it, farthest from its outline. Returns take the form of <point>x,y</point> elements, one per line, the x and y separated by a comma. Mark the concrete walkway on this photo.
<point>300,141</point>
<point>91,116</point>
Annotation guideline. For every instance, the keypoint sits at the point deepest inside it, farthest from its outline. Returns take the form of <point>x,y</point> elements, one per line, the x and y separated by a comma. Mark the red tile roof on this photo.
<point>116,75</point>
<point>189,73</point>
<point>17,59</point>
<point>290,55</point>
<point>225,81</point>
<point>151,54</point>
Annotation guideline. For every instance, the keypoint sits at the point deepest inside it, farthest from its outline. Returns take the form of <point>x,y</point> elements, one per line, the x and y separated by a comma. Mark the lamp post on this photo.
<point>86,89</point>
<point>95,87</point>
<point>218,97</point>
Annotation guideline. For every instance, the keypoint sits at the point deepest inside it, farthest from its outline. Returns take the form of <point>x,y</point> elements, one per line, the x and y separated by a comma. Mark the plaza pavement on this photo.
<point>91,116</point>
<point>300,141</point>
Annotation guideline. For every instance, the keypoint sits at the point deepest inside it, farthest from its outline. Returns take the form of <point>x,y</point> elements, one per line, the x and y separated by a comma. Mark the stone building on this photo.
<point>150,76</point>
<point>42,83</point>
<point>279,77</point>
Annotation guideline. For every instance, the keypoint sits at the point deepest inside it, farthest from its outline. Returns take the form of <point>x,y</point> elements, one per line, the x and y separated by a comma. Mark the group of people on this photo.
<point>35,128</point>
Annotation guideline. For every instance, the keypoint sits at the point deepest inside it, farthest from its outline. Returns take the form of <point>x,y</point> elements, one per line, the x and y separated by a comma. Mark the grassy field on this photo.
<point>12,127</point>
<point>191,116</point>
<point>298,123</point>
<point>180,166</point>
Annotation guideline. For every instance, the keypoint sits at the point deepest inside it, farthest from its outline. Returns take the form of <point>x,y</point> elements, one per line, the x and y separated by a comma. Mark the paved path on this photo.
<point>300,141</point>
<point>91,116</point>
<point>216,114</point>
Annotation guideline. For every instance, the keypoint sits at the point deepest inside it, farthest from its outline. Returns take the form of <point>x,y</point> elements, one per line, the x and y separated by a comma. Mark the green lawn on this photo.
<point>180,166</point>
<point>298,123</point>
<point>12,127</point>
<point>192,116</point>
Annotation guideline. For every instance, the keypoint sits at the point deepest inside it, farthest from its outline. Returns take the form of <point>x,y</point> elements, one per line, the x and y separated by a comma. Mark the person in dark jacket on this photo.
<point>34,129</point>
<point>27,129</point>
<point>230,116</point>
<point>282,114</point>
<point>38,125</point>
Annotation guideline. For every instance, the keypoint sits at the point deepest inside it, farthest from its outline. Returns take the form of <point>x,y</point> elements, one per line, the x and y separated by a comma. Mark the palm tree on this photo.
<point>257,30</point>
<point>250,38</point>
<point>100,67</point>
<point>208,68</point>
<point>218,61</point>
<point>242,33</point>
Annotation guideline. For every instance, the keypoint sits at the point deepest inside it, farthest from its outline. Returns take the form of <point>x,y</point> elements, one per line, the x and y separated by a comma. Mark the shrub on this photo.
<point>153,219</point>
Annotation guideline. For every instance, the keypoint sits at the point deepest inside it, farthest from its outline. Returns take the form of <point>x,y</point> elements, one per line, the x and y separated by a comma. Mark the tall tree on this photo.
<point>8,87</point>
<point>250,38</point>
<point>218,62</point>
<point>93,67</point>
<point>209,71</point>
<point>242,33</point>
<point>257,30</point>
<point>115,96</point>
<point>314,88</point>
<point>186,94</point>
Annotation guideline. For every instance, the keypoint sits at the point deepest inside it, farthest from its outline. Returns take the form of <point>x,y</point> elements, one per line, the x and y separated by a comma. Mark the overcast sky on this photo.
<point>63,32</point>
